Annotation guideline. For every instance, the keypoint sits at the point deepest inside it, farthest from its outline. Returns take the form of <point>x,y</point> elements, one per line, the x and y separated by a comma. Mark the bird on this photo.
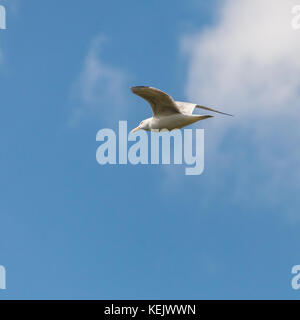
<point>167,113</point>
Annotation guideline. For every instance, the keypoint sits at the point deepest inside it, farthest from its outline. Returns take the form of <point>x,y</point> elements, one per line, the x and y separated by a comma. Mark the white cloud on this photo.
<point>249,64</point>
<point>100,87</point>
<point>249,61</point>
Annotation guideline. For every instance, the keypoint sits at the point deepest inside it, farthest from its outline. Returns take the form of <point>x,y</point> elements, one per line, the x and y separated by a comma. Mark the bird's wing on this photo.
<point>186,107</point>
<point>213,110</point>
<point>161,103</point>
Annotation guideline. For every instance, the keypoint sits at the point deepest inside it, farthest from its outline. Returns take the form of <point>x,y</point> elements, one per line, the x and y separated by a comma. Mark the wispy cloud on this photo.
<point>99,89</point>
<point>249,64</point>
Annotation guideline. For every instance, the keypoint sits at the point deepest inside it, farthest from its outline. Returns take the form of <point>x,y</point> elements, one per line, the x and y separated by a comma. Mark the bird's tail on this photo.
<point>203,117</point>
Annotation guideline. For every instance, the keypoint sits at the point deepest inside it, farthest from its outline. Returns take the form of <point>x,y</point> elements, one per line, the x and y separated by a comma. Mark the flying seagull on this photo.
<point>167,113</point>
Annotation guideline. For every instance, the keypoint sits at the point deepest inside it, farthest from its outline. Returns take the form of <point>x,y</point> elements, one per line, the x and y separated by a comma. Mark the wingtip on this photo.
<point>226,114</point>
<point>214,110</point>
<point>138,87</point>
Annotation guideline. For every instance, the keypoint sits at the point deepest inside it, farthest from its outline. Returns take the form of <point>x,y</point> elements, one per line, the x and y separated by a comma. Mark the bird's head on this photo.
<point>144,125</point>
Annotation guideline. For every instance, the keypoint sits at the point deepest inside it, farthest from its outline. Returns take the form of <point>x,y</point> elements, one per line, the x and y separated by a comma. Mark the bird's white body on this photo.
<point>167,113</point>
<point>171,122</point>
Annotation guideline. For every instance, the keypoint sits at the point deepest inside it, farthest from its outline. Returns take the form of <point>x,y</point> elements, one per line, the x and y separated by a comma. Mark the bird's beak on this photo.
<point>135,130</point>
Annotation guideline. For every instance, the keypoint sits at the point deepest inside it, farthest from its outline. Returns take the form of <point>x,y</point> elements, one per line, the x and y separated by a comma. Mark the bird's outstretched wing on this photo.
<point>161,103</point>
<point>213,110</point>
<point>186,107</point>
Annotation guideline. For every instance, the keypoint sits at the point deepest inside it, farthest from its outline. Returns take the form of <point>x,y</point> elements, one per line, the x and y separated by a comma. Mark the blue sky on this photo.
<point>72,229</point>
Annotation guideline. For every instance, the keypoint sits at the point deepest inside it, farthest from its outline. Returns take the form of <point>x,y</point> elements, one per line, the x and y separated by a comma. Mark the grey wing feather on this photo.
<point>213,110</point>
<point>161,103</point>
<point>188,108</point>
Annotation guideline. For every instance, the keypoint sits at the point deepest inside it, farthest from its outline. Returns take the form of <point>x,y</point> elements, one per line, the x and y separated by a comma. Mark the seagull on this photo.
<point>167,113</point>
